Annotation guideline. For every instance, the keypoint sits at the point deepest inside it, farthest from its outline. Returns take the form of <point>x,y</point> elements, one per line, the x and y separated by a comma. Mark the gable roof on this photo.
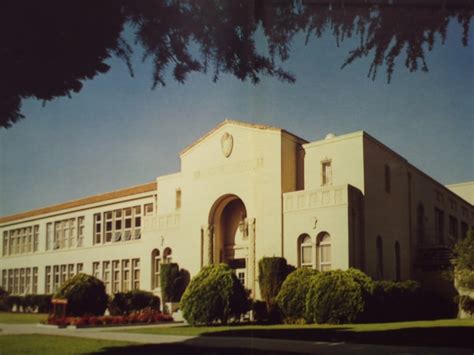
<point>134,190</point>
<point>241,124</point>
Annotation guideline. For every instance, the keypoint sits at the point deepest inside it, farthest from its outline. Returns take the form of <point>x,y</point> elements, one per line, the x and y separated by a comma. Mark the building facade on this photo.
<point>244,192</point>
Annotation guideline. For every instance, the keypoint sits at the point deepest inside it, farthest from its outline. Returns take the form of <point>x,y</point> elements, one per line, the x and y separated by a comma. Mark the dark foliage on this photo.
<point>173,282</point>
<point>334,297</point>
<point>49,48</point>
<point>467,304</point>
<point>292,296</point>
<point>214,295</point>
<point>124,303</point>
<point>85,295</point>
<point>404,301</point>
<point>27,303</point>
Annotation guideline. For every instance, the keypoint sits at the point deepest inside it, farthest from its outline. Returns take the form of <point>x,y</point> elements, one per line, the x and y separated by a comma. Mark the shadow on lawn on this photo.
<point>183,349</point>
<point>462,336</point>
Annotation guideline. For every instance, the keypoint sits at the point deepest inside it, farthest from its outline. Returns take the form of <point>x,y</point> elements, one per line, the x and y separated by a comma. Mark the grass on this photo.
<point>447,332</point>
<point>47,344</point>
<point>19,318</point>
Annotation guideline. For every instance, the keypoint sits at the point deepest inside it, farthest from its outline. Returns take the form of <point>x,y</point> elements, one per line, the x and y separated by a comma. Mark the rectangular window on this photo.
<point>34,289</point>
<point>95,269</point>
<point>453,228</point>
<point>16,281</point>
<point>326,172</point>
<point>136,274</point>
<point>106,276</point>
<point>115,276</point>
<point>49,236</point>
<point>63,274</point>
<point>22,281</point>
<point>148,209</point>
<point>387,179</point>
<point>439,226</point>
<point>97,228</point>
<point>47,281</point>
<point>125,275</point>
<point>464,229</point>
<point>5,244</point>
<point>79,268</point>
<point>178,199</point>
<point>80,231</point>
<point>70,271</point>
<point>35,238</point>
<point>28,280</point>
<point>4,280</point>
<point>55,278</point>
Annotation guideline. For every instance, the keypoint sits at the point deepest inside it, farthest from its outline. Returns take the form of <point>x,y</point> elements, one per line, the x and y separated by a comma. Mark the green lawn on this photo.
<point>448,332</point>
<point>18,318</point>
<point>53,345</point>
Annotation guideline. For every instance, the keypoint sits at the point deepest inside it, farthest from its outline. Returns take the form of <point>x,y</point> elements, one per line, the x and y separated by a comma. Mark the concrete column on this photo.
<point>210,244</point>
<point>251,256</point>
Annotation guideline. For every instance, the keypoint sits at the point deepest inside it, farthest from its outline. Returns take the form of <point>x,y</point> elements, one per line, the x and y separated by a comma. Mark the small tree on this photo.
<point>271,274</point>
<point>169,279</point>
<point>85,295</point>
<point>464,273</point>
<point>292,296</point>
<point>334,297</point>
<point>214,295</point>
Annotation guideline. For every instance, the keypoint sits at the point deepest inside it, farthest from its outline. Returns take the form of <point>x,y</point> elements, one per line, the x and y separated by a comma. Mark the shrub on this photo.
<point>85,295</point>
<point>466,278</point>
<point>467,304</point>
<point>271,274</point>
<point>169,279</point>
<point>43,303</point>
<point>124,303</point>
<point>214,294</point>
<point>259,311</point>
<point>334,297</point>
<point>292,296</point>
<point>405,301</point>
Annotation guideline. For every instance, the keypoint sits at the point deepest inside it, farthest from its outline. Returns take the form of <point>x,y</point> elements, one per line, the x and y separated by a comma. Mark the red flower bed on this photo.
<point>147,316</point>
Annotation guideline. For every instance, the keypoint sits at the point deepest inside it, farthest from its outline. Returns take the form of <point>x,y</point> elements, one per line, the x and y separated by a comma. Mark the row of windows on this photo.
<point>322,252</point>
<point>118,225</point>
<point>56,275</point>
<point>20,241</point>
<point>67,233</point>
<point>21,280</point>
<point>439,223</point>
<point>118,275</point>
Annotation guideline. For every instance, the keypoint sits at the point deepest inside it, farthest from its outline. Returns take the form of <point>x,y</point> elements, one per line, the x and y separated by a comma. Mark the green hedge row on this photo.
<point>27,303</point>
<point>351,296</point>
<point>124,303</point>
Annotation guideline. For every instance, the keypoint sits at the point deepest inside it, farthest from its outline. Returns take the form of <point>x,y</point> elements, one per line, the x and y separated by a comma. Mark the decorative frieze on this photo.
<point>308,199</point>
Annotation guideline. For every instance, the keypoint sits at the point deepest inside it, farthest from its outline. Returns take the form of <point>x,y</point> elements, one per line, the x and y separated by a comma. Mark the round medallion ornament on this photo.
<point>227,143</point>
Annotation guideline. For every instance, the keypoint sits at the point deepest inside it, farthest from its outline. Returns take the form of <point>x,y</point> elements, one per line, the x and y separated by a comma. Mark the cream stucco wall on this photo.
<point>277,176</point>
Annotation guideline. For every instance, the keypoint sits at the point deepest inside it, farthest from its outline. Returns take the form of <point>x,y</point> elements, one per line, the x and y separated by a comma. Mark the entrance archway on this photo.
<point>229,228</point>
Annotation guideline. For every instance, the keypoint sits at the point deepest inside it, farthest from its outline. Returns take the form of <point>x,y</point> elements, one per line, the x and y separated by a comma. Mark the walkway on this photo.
<point>297,346</point>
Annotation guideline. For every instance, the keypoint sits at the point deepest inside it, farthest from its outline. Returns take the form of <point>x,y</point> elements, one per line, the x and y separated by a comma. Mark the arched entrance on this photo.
<point>228,237</point>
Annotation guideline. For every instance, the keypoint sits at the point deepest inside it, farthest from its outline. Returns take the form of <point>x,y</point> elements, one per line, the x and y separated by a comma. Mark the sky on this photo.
<point>117,132</point>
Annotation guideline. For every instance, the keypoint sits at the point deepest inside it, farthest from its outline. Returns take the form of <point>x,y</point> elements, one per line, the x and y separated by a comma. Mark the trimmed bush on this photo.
<point>292,296</point>
<point>394,301</point>
<point>334,297</point>
<point>271,274</point>
<point>85,295</point>
<point>214,295</point>
<point>124,303</point>
<point>259,311</point>
<point>169,279</point>
<point>467,304</point>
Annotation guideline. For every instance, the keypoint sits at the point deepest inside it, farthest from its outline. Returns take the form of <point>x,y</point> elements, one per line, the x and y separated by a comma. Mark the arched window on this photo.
<point>323,251</point>
<point>420,223</point>
<point>155,268</point>
<point>379,258</point>
<point>397,261</point>
<point>167,255</point>
<point>305,251</point>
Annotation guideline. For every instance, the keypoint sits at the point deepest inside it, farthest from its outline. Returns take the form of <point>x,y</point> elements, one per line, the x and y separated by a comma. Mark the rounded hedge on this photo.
<point>85,295</point>
<point>334,297</point>
<point>214,295</point>
<point>292,296</point>
<point>124,303</point>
